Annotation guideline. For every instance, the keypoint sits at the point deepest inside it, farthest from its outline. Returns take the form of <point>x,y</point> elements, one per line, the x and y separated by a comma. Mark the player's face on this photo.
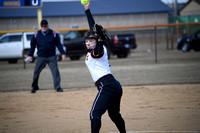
<point>44,28</point>
<point>90,43</point>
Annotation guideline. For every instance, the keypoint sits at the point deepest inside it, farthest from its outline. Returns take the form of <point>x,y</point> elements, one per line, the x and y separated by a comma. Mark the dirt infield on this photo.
<point>163,96</point>
<point>144,108</point>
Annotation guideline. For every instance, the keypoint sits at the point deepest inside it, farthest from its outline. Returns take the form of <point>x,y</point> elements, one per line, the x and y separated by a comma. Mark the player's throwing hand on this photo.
<point>86,6</point>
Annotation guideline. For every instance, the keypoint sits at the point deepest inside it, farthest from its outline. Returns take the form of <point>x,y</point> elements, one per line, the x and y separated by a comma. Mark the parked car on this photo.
<point>119,45</point>
<point>189,42</point>
<point>122,43</point>
<point>13,45</point>
<point>74,43</point>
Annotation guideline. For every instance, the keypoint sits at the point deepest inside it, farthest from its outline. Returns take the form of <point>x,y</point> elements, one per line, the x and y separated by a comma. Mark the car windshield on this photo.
<point>4,39</point>
<point>13,38</point>
<point>71,35</point>
<point>74,35</point>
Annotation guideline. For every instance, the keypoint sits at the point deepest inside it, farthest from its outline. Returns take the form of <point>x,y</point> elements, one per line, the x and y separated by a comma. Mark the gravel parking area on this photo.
<point>173,67</point>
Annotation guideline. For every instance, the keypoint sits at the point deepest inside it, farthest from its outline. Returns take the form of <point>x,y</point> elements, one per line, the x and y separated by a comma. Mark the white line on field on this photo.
<point>159,132</point>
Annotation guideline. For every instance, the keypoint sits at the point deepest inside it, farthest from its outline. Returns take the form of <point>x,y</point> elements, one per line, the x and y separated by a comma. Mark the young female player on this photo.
<point>109,89</point>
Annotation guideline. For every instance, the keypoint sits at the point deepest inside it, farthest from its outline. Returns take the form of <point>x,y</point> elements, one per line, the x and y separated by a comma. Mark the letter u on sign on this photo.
<point>35,2</point>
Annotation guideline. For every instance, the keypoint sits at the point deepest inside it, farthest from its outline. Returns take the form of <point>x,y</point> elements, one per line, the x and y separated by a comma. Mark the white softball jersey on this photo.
<point>98,67</point>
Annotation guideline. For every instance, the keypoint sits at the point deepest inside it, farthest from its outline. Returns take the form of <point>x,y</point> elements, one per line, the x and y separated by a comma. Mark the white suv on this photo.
<point>12,46</point>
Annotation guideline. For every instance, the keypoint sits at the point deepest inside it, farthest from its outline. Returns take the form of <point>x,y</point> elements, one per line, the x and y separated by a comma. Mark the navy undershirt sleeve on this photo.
<point>90,19</point>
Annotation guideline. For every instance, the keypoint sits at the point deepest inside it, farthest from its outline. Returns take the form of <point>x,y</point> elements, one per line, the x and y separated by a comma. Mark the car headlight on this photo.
<point>189,39</point>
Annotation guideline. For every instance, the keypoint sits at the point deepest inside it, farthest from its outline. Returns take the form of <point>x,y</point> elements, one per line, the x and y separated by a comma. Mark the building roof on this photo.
<point>98,7</point>
<point>197,1</point>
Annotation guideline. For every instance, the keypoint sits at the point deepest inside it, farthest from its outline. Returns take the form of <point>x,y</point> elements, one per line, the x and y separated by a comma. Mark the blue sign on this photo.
<point>20,3</point>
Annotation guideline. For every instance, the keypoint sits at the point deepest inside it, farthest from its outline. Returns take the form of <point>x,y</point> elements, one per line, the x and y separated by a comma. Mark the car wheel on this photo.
<point>12,61</point>
<point>122,55</point>
<point>185,47</point>
<point>196,48</point>
<point>74,57</point>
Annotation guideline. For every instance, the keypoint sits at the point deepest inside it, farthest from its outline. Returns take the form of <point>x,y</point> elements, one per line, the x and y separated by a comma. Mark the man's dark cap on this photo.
<point>44,22</point>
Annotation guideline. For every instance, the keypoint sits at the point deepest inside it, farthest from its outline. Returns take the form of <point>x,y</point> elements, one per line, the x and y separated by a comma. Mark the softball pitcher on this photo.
<point>109,89</point>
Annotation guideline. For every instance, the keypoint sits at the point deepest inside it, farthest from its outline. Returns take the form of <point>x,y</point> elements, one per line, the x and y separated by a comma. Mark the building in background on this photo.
<point>187,12</point>
<point>109,13</point>
<point>191,8</point>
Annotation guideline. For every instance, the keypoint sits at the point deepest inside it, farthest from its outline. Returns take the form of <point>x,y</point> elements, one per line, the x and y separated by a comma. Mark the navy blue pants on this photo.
<point>108,98</point>
<point>40,65</point>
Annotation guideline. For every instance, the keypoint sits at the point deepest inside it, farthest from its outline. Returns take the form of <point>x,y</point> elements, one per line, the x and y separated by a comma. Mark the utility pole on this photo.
<point>175,8</point>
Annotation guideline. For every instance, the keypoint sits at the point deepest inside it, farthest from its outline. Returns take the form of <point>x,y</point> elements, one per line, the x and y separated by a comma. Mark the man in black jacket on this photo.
<point>46,41</point>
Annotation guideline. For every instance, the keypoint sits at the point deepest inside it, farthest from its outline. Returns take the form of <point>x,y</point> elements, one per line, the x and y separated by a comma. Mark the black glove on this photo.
<point>101,32</point>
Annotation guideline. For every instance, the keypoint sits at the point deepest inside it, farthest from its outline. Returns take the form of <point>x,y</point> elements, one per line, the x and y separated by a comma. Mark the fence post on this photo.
<point>151,37</point>
<point>177,30</point>
<point>167,38</point>
<point>23,57</point>
<point>155,38</point>
<point>172,38</point>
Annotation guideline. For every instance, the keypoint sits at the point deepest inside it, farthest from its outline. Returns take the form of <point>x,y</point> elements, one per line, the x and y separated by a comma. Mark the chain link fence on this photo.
<point>166,36</point>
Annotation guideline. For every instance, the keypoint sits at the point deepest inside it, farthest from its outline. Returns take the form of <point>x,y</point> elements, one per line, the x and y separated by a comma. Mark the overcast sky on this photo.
<point>165,1</point>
